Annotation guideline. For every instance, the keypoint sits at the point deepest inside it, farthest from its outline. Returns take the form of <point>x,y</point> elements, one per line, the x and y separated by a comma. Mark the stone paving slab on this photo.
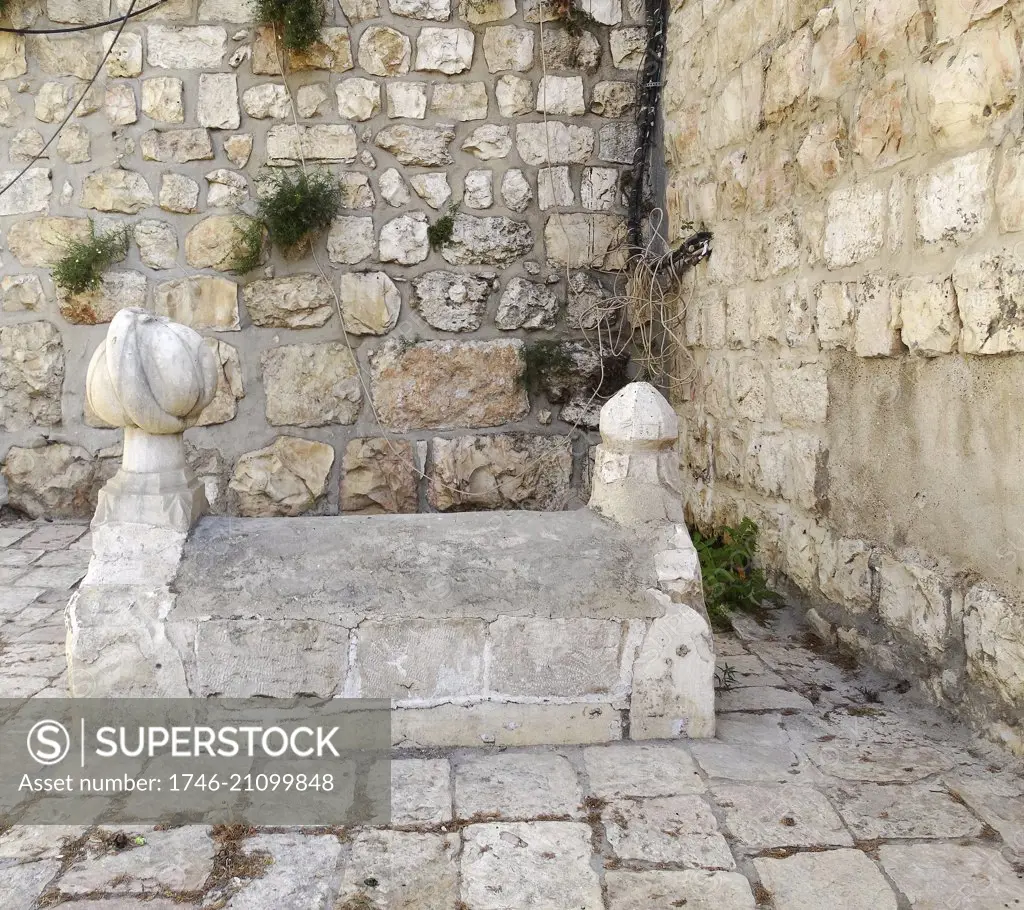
<point>826,789</point>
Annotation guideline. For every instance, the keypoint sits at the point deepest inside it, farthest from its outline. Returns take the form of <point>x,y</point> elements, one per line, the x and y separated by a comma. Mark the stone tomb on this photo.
<point>488,627</point>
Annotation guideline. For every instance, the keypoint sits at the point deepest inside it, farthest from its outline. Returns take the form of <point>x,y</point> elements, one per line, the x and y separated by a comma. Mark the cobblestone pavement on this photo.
<point>827,788</point>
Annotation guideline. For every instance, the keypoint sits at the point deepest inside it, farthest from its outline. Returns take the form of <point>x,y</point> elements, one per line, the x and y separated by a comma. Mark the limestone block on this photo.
<point>230,389</point>
<point>267,100</point>
<point>799,880</point>
<point>993,632</point>
<point>613,99</point>
<point>404,240</point>
<point>51,102</point>
<point>876,326</point>
<point>587,306</point>
<point>77,55</point>
<point>1010,190</point>
<point>516,192</point>
<point>928,315</point>
<point>953,18</point>
<point>460,101</point>
<point>227,189</point>
<point>241,658</point>
<point>311,385</point>
<point>489,141</point>
<point>114,190</point>
<point>42,241</point>
<point>288,144</point>
<point>599,188</point>
<point>185,48</point>
<point>787,465</point>
<point>310,100</point>
<point>230,10</point>
<point>514,95</point>
<point>52,480</point>
<point>119,105</point>
<point>401,864</point>
<point>116,291</point>
<point>489,240</point>
<point>294,302</point>
<point>736,112</point>
<point>413,145</point>
<point>420,658</point>
<point>289,477</point>
<point>504,471</point>
<point>789,73</point>
<point>432,188</point>
<point>821,155</point>
<point>202,302</point>
<point>350,239</point>
<point>836,60</point>
<point>31,375</point>
<point>443,384</point>
<point>162,99</point>
<point>177,145</point>
<point>526,305</point>
<point>700,889</point>
<point>370,303</point>
<point>213,242</point>
<point>883,124</point>
<point>844,574</point>
<point>972,86</point>
<point>384,51</point>
<point>217,104</point>
<point>567,658</point>
<point>836,305</point>
<point>561,95</point>
<point>12,56</point>
<point>179,193</point>
<point>554,187</point>
<point>438,10</point>
<point>379,477</point>
<point>406,99</point>
<point>554,143</point>
<point>358,99</point>
<point>987,284</point>
<point>478,189</point>
<point>30,194</point>
<point>25,145</point>
<point>238,148</point>
<point>916,600</point>
<point>580,241</point>
<point>508,48</point>
<point>21,292</point>
<point>953,202</point>
<point>74,144</point>
<point>627,46</point>
<point>444,50</point>
<point>855,226</point>
<point>333,52</point>
<point>481,11</point>
<point>450,301</point>
<point>800,392</point>
<point>393,189</point>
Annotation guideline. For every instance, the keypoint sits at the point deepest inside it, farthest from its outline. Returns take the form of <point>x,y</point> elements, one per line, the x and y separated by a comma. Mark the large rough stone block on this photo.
<point>987,286</point>
<point>202,302</point>
<point>450,301</point>
<point>554,142</point>
<point>55,480</point>
<point>928,315</point>
<point>444,50</point>
<point>30,194</point>
<point>230,389</point>
<point>116,291</point>
<point>42,241</point>
<point>214,242</point>
<point>420,658</point>
<point>178,146</point>
<point>506,471</point>
<point>294,302</point>
<point>183,48</point>
<point>855,226</point>
<point>441,384</point>
<point>31,375</point>
<point>916,600</point>
<point>311,385</point>
<point>384,51</point>
<point>370,303</point>
<point>413,145</point>
<point>579,241</point>
<point>954,202</point>
<point>491,240</point>
<point>379,477</point>
<point>289,477</point>
<point>994,638</point>
<point>287,143</point>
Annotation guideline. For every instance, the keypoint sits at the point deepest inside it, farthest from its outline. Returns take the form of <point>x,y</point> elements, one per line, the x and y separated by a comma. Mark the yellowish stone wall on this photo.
<point>856,333</point>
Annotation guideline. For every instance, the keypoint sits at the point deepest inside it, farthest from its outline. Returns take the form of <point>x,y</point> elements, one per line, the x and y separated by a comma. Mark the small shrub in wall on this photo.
<point>299,21</point>
<point>294,209</point>
<point>82,266</point>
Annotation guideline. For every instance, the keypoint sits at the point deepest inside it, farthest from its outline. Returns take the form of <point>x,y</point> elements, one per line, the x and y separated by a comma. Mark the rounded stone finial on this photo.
<point>638,418</point>
<point>151,373</point>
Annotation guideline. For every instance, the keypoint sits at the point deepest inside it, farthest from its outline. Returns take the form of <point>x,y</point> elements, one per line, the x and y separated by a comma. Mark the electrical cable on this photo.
<point>75,106</point>
<point>71,29</point>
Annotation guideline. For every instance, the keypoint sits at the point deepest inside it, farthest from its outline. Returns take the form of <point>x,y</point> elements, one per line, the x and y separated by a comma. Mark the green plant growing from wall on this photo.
<point>294,209</point>
<point>732,582</point>
<point>548,362</point>
<point>82,266</point>
<point>441,231</point>
<point>300,21</point>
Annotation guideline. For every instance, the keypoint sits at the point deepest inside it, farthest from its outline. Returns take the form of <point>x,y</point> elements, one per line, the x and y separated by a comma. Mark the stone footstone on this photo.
<point>298,874</point>
<point>53,536</point>
<point>637,769</point>
<point>177,860</point>
<point>535,864</point>
<point>940,876</point>
<point>761,817</point>
<point>877,761</point>
<point>998,800</point>
<point>400,870</point>
<point>836,878</point>
<point>421,792</point>
<point>762,698</point>
<point>21,885</point>
<point>751,761</point>
<point>667,829</point>
<point>123,903</point>
<point>693,889</point>
<point>10,536</point>
<point>893,811</point>
<point>517,786</point>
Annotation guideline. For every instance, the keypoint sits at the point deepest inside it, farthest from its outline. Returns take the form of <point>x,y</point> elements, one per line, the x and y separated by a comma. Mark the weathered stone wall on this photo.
<point>414,105</point>
<point>856,329</point>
